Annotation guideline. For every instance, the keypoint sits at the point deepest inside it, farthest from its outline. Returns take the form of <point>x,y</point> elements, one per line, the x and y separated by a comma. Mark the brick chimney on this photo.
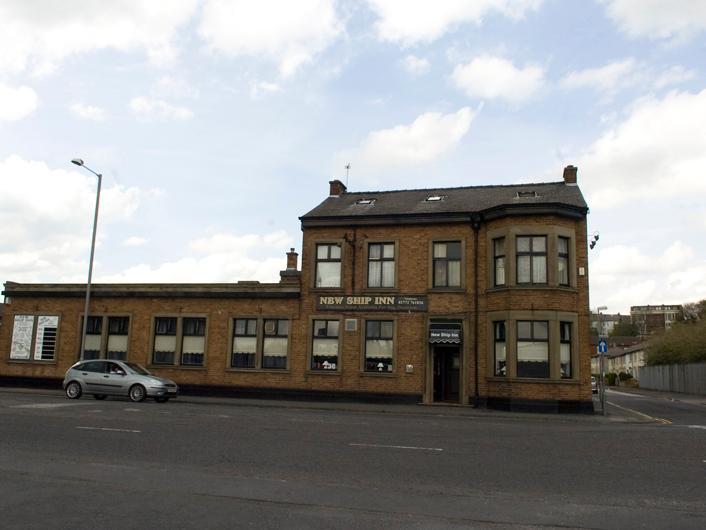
<point>337,188</point>
<point>291,275</point>
<point>570,175</point>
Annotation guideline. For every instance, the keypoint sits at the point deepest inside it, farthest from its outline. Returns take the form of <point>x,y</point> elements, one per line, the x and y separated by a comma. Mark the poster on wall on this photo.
<point>22,337</point>
<point>45,344</point>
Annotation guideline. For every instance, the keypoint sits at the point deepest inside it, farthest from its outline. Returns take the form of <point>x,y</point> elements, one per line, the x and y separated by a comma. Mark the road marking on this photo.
<point>398,447</point>
<point>44,405</point>
<point>697,427</point>
<point>618,393</point>
<point>659,420</point>
<point>106,429</point>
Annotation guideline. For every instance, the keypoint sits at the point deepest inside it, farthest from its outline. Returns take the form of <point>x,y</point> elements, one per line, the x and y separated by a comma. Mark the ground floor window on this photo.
<point>254,349</point>
<point>532,349</point>
<point>106,337</point>
<point>565,349</point>
<point>499,351</point>
<point>379,345</point>
<point>324,345</point>
<point>182,338</point>
<point>34,337</point>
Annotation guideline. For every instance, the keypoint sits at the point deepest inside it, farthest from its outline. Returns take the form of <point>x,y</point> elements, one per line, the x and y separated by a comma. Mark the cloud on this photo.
<point>625,74</point>
<point>39,35</point>
<point>408,22</point>
<point>675,20</point>
<point>658,152</point>
<point>87,112</point>
<point>664,276</point>
<point>415,65</point>
<point>427,138</point>
<point>220,257</point>
<point>489,77</point>
<point>16,103</point>
<point>46,219</point>
<point>135,241</point>
<point>258,89</point>
<point>288,33</point>
<point>150,109</point>
<point>174,87</point>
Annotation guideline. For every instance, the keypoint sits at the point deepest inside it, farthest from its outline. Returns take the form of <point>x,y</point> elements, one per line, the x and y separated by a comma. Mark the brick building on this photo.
<point>469,295</point>
<point>651,319</point>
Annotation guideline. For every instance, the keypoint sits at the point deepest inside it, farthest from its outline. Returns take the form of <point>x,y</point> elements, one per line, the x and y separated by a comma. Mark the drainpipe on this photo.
<point>475,223</point>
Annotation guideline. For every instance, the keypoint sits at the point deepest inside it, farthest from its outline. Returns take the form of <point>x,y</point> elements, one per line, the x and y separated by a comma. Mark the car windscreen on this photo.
<point>137,368</point>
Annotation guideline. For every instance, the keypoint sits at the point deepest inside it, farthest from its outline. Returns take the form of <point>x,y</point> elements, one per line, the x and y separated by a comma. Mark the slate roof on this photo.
<point>462,200</point>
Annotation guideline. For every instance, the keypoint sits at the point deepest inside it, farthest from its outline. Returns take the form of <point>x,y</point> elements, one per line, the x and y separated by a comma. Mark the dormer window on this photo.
<point>435,198</point>
<point>365,201</point>
<point>526,194</point>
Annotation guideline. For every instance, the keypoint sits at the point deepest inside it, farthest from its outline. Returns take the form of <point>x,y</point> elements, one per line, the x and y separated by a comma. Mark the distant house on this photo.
<point>625,354</point>
<point>651,319</point>
<point>605,323</point>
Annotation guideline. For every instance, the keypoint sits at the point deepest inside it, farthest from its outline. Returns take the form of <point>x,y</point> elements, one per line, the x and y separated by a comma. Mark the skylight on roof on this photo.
<point>526,194</point>
<point>435,198</point>
<point>365,201</point>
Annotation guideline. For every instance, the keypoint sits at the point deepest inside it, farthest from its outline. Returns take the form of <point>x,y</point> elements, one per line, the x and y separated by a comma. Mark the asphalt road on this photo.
<point>674,409</point>
<point>233,464</point>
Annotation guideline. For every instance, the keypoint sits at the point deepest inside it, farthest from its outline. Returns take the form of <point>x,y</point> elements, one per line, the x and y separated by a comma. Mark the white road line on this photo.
<point>43,405</point>
<point>398,447</point>
<point>106,429</point>
<point>697,427</point>
<point>660,420</point>
<point>629,394</point>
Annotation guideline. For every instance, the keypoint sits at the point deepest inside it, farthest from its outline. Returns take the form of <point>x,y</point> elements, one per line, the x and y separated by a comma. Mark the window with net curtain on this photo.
<point>94,338</point>
<point>499,261</point>
<point>500,351</point>
<point>533,349</point>
<point>275,343</point>
<point>563,260</point>
<point>117,338</point>
<point>565,349</point>
<point>381,265</point>
<point>328,265</point>
<point>447,264</point>
<point>531,259</point>
<point>379,345</point>
<point>165,340</point>
<point>324,354</point>
<point>244,343</point>
<point>193,343</point>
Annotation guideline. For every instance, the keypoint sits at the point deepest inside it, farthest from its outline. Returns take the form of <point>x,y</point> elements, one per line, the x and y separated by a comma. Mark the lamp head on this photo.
<point>77,161</point>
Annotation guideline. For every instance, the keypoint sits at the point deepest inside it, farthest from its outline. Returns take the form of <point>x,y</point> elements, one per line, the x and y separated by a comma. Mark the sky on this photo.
<point>217,123</point>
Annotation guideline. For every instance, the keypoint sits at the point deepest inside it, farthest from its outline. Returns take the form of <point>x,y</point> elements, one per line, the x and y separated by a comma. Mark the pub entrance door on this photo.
<point>447,363</point>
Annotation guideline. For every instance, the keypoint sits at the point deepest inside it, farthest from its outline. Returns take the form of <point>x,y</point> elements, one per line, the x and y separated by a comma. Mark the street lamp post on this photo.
<point>601,357</point>
<point>79,162</point>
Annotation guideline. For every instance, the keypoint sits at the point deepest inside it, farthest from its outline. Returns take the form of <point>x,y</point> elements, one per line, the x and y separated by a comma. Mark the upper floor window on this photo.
<point>531,259</point>
<point>499,260</point>
<point>381,265</point>
<point>328,265</point>
<point>563,260</point>
<point>106,337</point>
<point>324,347</point>
<point>447,264</point>
<point>379,345</point>
<point>533,348</point>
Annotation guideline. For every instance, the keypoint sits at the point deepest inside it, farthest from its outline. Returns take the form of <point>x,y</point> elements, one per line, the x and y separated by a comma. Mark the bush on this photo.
<point>610,378</point>
<point>624,376</point>
<point>684,343</point>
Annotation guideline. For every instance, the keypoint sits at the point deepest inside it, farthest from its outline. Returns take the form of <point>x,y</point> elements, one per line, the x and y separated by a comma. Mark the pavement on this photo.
<point>613,414</point>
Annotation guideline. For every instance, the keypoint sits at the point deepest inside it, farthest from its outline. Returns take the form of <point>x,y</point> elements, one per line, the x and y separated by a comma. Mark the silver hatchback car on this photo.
<point>103,378</point>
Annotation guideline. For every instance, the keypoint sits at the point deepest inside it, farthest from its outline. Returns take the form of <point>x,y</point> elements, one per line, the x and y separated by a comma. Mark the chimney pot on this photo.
<point>336,188</point>
<point>570,175</point>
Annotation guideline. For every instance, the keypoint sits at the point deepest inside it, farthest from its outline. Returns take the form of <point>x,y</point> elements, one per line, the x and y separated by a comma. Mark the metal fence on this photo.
<point>686,378</point>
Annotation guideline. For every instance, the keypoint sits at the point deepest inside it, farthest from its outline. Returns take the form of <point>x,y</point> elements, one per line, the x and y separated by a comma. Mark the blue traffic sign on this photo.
<point>602,346</point>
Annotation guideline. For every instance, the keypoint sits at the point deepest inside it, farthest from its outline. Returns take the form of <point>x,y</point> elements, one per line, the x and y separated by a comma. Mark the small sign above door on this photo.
<point>445,336</point>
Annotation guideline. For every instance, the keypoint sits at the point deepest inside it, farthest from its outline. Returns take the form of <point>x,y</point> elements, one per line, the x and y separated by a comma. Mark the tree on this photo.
<point>692,311</point>
<point>624,329</point>
<point>684,342</point>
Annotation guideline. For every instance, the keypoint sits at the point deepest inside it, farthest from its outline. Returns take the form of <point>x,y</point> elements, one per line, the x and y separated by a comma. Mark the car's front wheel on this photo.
<point>73,390</point>
<point>161,399</point>
<point>137,393</point>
